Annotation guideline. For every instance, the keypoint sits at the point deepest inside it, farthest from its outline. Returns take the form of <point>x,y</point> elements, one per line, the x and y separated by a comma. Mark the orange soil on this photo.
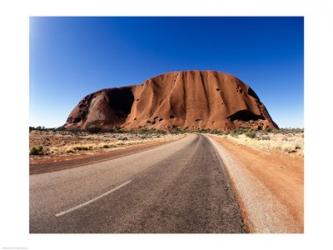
<point>282,175</point>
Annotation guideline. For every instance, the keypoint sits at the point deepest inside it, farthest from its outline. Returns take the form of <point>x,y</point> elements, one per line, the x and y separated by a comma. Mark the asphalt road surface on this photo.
<point>179,187</point>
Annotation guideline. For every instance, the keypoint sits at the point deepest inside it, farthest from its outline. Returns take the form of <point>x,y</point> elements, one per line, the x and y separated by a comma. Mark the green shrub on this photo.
<point>38,128</point>
<point>75,131</point>
<point>234,134</point>
<point>177,130</point>
<point>113,130</point>
<point>143,131</point>
<point>36,150</point>
<point>238,131</point>
<point>218,132</point>
<point>93,129</point>
<point>251,134</point>
<point>290,130</point>
<point>61,128</point>
<point>81,148</point>
<point>148,131</point>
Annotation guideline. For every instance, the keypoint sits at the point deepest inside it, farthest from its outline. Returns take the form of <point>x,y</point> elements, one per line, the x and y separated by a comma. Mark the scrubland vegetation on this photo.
<point>290,140</point>
<point>50,141</point>
<point>47,142</point>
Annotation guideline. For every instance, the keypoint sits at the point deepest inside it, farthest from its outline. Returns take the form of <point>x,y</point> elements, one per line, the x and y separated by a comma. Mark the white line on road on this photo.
<point>92,200</point>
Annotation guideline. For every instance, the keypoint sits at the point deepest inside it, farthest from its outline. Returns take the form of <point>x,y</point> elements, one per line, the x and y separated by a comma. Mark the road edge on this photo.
<point>259,217</point>
<point>92,159</point>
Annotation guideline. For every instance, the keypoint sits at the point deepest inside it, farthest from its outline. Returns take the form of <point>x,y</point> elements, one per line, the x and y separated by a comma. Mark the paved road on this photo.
<point>180,187</point>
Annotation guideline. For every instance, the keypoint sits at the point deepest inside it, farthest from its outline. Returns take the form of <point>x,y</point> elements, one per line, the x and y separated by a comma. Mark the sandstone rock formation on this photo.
<point>185,99</point>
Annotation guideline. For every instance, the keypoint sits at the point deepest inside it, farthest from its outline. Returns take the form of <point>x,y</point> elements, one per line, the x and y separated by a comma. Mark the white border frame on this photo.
<point>14,126</point>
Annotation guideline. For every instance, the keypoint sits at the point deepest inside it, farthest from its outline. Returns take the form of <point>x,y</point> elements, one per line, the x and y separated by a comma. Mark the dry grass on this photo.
<point>282,141</point>
<point>55,143</point>
<point>269,183</point>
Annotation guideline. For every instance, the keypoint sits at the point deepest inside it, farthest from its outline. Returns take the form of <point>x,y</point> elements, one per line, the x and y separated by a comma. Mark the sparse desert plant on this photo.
<point>92,129</point>
<point>234,133</point>
<point>113,130</point>
<point>74,131</point>
<point>226,132</point>
<point>66,142</point>
<point>149,131</point>
<point>80,148</point>
<point>177,130</point>
<point>290,150</point>
<point>201,130</point>
<point>38,128</point>
<point>264,138</point>
<point>215,132</point>
<point>268,130</point>
<point>238,131</point>
<point>61,128</point>
<point>143,131</point>
<point>36,150</point>
<point>251,134</point>
<point>143,137</point>
<point>290,130</point>
<point>220,132</point>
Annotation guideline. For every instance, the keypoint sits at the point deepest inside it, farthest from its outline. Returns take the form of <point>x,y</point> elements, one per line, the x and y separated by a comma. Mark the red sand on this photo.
<point>276,176</point>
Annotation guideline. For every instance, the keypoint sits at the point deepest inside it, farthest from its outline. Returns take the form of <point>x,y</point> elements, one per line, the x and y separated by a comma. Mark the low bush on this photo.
<point>36,150</point>
<point>177,130</point>
<point>268,130</point>
<point>79,148</point>
<point>251,134</point>
<point>237,132</point>
<point>74,130</point>
<point>92,129</point>
<point>38,128</point>
<point>113,130</point>
<point>148,131</point>
<point>264,138</point>
<point>289,130</point>
<point>234,134</point>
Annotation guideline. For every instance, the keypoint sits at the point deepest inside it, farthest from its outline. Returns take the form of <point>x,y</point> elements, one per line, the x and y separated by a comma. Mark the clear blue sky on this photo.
<point>71,57</point>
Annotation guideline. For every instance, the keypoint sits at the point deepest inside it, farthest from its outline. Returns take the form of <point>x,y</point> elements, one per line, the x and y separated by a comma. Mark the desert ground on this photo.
<point>271,166</point>
<point>51,149</point>
<point>223,182</point>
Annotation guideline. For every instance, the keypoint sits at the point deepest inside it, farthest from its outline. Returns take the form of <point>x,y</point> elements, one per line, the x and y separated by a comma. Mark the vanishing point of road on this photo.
<point>178,187</point>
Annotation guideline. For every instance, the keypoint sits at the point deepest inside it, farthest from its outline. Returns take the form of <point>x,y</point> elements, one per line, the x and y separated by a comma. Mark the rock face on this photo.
<point>186,99</point>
